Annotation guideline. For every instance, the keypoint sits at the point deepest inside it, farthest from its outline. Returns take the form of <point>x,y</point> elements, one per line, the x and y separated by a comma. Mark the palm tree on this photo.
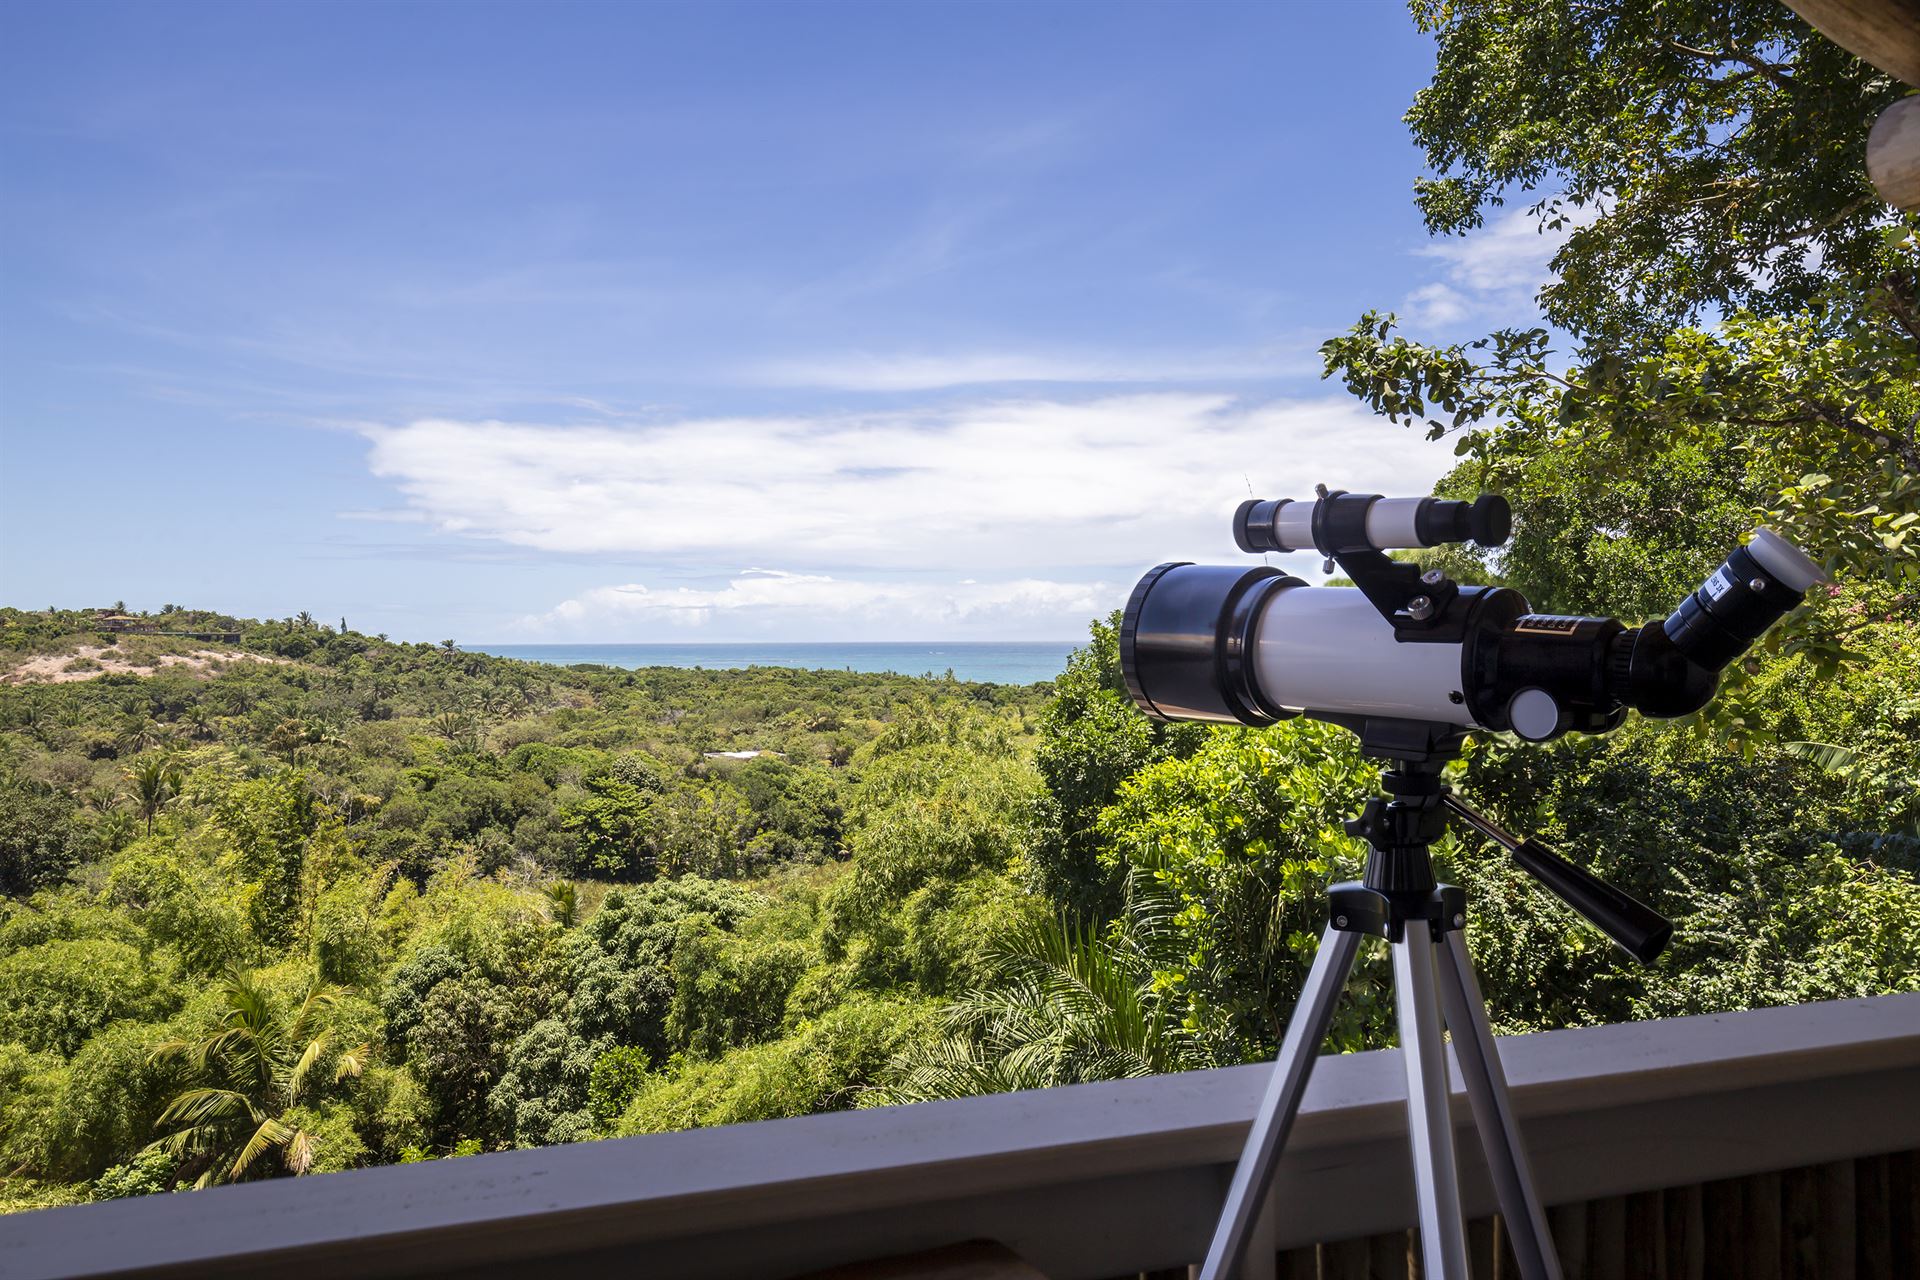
<point>155,782</point>
<point>1070,1007</point>
<point>199,722</point>
<point>256,1067</point>
<point>137,732</point>
<point>563,903</point>
<point>288,737</point>
<point>458,728</point>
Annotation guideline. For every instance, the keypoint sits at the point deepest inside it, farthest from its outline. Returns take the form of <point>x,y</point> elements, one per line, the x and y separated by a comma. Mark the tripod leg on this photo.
<point>1493,1112</point>
<point>1443,1245</point>
<point>1306,1031</point>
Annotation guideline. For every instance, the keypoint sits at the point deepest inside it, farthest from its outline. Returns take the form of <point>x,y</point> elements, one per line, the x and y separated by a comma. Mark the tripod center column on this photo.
<point>1401,826</point>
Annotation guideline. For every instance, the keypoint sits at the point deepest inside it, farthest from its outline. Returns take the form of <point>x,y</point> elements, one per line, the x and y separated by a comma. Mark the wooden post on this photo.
<point>1883,32</point>
<point>1893,154</point>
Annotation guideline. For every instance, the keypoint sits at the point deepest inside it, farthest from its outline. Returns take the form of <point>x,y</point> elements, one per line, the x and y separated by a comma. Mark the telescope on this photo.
<point>1255,645</point>
<point>1413,662</point>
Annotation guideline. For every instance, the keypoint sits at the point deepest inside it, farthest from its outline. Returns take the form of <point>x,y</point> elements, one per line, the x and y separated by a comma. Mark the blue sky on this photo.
<point>702,322</point>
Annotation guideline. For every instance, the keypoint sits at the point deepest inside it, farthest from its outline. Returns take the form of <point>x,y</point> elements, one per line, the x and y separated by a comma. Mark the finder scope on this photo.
<point>1255,645</point>
<point>1282,524</point>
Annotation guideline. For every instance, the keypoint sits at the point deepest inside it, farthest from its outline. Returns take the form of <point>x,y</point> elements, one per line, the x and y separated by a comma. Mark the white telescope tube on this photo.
<point>1293,526</point>
<point>1326,649</point>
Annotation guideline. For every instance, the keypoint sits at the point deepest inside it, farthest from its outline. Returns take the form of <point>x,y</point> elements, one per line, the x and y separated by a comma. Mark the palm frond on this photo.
<point>299,1152</point>
<point>296,1075</point>
<point>269,1135</point>
<point>319,996</point>
<point>352,1062</point>
<point>169,1049</point>
<point>207,1106</point>
<point>1824,756</point>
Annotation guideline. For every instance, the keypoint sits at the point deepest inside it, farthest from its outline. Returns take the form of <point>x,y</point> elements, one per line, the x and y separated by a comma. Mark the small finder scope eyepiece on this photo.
<point>1352,521</point>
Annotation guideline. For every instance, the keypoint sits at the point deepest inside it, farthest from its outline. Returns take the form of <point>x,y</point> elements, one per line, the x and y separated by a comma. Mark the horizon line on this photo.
<point>680,644</point>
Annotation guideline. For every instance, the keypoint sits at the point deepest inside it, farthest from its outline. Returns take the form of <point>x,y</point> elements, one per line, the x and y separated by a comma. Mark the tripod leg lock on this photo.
<point>1352,907</point>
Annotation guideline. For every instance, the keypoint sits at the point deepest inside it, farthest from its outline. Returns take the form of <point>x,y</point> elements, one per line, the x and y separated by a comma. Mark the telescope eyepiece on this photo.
<point>1754,587</point>
<point>1486,521</point>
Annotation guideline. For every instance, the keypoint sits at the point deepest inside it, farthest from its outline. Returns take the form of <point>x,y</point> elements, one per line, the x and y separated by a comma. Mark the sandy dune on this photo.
<point>52,668</point>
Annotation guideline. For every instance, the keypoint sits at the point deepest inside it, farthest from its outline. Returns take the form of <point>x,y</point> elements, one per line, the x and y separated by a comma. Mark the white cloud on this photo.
<point>1495,271</point>
<point>998,488</point>
<point>1438,303</point>
<point>866,371</point>
<point>796,604</point>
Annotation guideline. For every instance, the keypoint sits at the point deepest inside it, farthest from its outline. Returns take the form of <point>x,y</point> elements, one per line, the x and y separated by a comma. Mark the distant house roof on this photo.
<point>738,755</point>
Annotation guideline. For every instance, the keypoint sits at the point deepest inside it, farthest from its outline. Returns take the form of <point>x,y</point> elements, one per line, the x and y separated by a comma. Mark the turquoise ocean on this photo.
<point>999,663</point>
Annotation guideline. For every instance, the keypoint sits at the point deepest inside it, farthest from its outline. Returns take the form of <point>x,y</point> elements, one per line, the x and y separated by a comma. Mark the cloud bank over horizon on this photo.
<point>771,603</point>
<point>1018,517</point>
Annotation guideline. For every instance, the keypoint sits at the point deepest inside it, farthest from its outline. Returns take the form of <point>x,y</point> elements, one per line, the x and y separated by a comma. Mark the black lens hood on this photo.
<point>1186,642</point>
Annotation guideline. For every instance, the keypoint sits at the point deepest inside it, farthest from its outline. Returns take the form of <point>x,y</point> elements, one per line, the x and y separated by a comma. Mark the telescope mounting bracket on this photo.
<point>1418,606</point>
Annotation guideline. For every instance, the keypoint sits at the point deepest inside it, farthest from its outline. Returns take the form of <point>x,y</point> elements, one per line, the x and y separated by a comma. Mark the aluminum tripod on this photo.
<point>1433,982</point>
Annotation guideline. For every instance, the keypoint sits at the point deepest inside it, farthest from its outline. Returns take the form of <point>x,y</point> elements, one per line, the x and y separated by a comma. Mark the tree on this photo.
<point>259,1064</point>
<point>830,1062</point>
<point>1227,856</point>
<point>153,783</point>
<point>620,828</point>
<point>292,735</point>
<point>617,1075</point>
<point>563,903</point>
<point>935,828</point>
<point>1092,738</point>
<point>459,728</point>
<point>1705,153</point>
<point>39,838</point>
<point>1705,156</point>
<point>271,821</point>
<point>542,1098</point>
<point>621,967</point>
<point>459,1051</point>
<point>55,995</point>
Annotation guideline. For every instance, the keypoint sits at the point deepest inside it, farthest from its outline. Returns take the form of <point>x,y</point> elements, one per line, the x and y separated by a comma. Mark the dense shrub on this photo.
<point>55,995</point>
<point>621,976</point>
<point>822,1066</point>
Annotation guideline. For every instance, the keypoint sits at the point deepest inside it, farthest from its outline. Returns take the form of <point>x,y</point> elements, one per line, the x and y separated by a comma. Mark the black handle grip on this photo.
<point>1635,927</point>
